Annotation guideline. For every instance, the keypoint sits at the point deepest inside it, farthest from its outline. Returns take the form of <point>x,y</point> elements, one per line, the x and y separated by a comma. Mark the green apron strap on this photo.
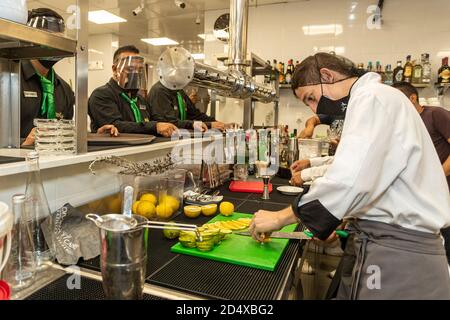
<point>181,106</point>
<point>48,108</point>
<point>133,105</point>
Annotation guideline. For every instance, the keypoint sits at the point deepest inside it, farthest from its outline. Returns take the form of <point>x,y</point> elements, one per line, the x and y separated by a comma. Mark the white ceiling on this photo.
<point>160,18</point>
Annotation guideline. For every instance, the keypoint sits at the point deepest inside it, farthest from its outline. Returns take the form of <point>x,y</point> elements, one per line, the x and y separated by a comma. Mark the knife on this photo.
<point>298,235</point>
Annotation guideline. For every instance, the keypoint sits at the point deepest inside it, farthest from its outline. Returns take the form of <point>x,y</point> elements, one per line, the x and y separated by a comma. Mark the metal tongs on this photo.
<point>171,225</point>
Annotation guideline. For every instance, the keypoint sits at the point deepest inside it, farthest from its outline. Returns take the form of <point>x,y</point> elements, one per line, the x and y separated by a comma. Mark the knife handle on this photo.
<point>340,233</point>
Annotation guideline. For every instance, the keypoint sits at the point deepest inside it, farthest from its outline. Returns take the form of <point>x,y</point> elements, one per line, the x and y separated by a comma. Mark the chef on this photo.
<point>385,181</point>
<point>176,107</point>
<point>119,102</point>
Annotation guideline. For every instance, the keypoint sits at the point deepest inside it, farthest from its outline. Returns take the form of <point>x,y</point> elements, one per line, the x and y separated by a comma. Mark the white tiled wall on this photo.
<point>276,32</point>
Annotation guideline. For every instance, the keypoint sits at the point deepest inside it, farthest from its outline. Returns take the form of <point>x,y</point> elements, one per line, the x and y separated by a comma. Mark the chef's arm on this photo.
<point>347,186</point>
<point>310,124</point>
<point>446,164</point>
<point>311,174</point>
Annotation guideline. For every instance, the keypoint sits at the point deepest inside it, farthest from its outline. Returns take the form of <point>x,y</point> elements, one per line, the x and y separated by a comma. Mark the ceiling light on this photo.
<point>318,29</point>
<point>198,56</point>
<point>104,17</point>
<point>351,16</point>
<point>160,41</point>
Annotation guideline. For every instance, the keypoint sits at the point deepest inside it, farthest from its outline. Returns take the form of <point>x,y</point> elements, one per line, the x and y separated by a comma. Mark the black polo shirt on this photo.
<point>31,98</point>
<point>106,106</point>
<point>164,107</point>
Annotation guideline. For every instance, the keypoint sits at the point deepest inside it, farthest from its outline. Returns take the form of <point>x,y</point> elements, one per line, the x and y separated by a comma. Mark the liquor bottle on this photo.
<point>388,75</point>
<point>274,68</point>
<point>360,66</point>
<point>289,71</point>
<point>408,70</point>
<point>281,76</point>
<point>417,73</point>
<point>39,210</point>
<point>398,72</point>
<point>426,65</point>
<point>444,72</point>
<point>369,67</point>
<point>378,67</point>
<point>20,269</point>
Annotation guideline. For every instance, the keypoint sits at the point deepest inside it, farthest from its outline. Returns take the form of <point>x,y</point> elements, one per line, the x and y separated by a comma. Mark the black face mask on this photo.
<point>48,64</point>
<point>333,107</point>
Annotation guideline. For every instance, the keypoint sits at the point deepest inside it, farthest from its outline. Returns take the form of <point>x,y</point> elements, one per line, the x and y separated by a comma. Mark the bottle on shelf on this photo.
<point>408,70</point>
<point>444,72</point>
<point>369,66</point>
<point>20,269</point>
<point>39,211</point>
<point>426,66</point>
<point>274,67</point>
<point>289,71</point>
<point>360,66</point>
<point>282,78</point>
<point>378,67</point>
<point>398,72</point>
<point>417,73</point>
<point>388,75</point>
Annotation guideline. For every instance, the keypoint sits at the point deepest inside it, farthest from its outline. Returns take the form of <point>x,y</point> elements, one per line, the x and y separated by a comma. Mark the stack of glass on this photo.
<point>55,137</point>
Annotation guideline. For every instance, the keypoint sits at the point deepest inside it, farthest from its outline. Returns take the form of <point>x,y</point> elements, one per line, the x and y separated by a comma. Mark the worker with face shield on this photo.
<point>121,101</point>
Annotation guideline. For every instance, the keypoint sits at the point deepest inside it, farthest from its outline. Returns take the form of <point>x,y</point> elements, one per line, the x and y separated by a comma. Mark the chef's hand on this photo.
<point>296,179</point>
<point>200,126</point>
<point>299,165</point>
<point>166,129</point>
<point>29,141</point>
<point>263,223</point>
<point>113,131</point>
<point>218,125</point>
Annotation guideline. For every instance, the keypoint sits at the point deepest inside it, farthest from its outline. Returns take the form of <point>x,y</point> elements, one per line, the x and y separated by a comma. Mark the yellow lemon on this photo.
<point>135,206</point>
<point>209,209</point>
<point>192,211</point>
<point>172,201</point>
<point>226,208</point>
<point>164,210</point>
<point>114,204</point>
<point>149,197</point>
<point>146,209</point>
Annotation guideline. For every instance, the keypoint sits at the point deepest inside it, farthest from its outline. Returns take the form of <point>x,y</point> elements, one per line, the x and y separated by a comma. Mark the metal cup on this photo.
<point>123,258</point>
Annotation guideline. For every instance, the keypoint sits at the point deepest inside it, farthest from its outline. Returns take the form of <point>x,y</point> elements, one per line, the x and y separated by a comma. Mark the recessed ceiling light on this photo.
<point>160,41</point>
<point>198,56</point>
<point>104,17</point>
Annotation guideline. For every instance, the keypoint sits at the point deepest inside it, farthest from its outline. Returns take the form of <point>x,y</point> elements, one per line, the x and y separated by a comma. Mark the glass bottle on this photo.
<point>426,65</point>
<point>408,70</point>
<point>388,75</point>
<point>417,73</point>
<point>39,212</point>
<point>398,72</point>
<point>444,72</point>
<point>21,266</point>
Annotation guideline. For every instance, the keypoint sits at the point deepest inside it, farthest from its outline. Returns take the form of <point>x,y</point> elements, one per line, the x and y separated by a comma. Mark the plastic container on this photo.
<point>14,10</point>
<point>168,188</point>
<point>6,224</point>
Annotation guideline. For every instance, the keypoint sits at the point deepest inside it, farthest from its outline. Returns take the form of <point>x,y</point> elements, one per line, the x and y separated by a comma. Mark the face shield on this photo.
<point>130,73</point>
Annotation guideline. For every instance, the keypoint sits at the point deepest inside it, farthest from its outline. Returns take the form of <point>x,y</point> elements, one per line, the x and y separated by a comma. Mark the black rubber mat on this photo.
<point>253,206</point>
<point>89,290</point>
<point>218,280</point>
<point>275,196</point>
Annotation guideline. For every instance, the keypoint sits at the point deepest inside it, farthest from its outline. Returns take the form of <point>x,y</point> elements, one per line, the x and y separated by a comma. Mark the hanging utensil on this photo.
<point>127,201</point>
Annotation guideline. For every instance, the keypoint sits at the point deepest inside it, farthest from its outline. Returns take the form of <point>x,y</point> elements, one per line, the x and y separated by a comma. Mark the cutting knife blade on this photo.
<point>299,235</point>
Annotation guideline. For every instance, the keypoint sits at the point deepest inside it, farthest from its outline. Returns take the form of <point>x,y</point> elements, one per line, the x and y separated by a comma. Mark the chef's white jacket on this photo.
<point>386,168</point>
<point>317,169</point>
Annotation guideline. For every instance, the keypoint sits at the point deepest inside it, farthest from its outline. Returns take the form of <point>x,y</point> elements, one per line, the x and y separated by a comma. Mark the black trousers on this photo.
<point>446,235</point>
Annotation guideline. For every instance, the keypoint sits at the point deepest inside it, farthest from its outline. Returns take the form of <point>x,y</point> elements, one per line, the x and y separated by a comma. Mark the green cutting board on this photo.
<point>242,250</point>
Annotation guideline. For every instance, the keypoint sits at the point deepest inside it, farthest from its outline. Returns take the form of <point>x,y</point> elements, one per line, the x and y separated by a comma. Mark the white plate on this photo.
<point>290,190</point>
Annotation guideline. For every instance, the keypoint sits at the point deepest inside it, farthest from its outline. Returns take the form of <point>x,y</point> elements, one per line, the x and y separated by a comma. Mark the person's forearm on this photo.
<point>446,166</point>
<point>286,217</point>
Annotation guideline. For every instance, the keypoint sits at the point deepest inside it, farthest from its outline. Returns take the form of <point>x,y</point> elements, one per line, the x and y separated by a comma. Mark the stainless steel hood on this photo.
<point>176,67</point>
